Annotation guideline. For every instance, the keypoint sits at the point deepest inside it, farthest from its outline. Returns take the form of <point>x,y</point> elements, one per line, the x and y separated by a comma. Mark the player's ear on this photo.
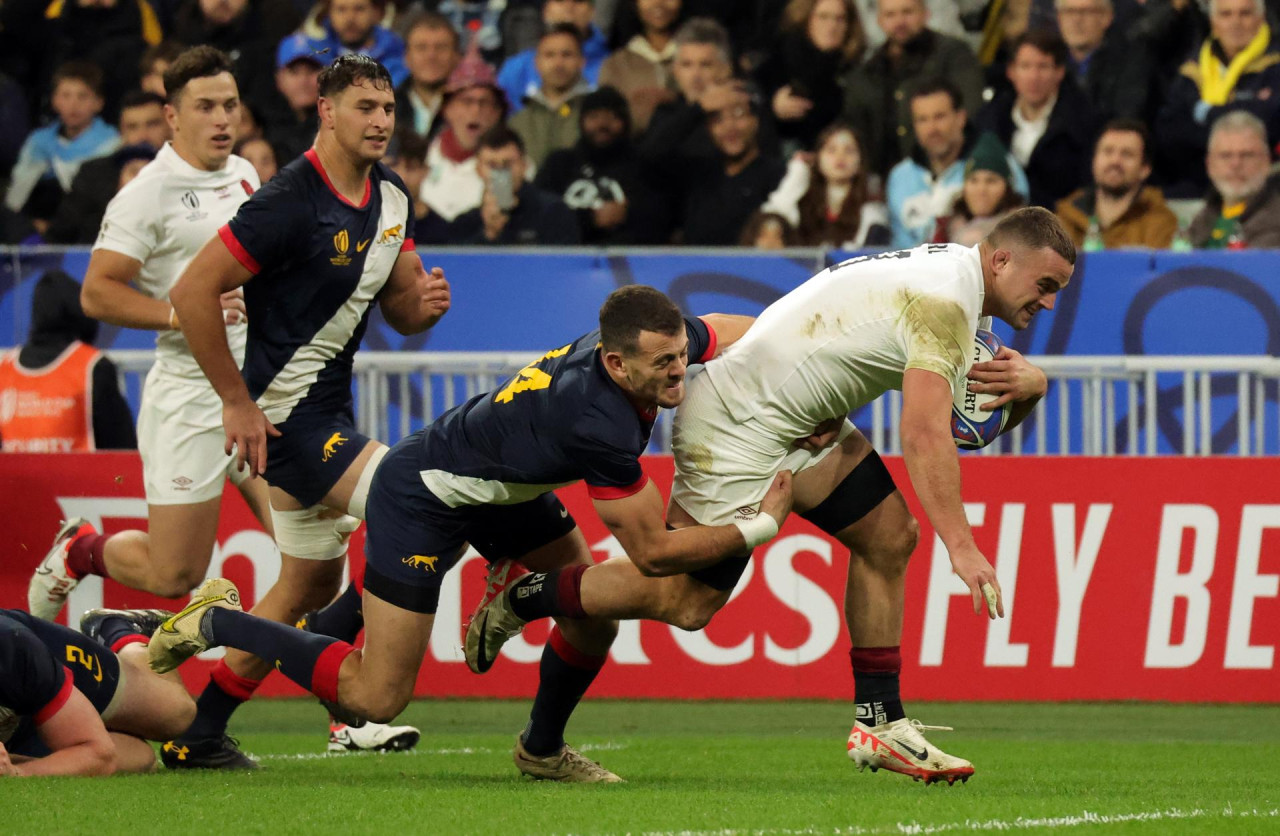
<point>324,108</point>
<point>613,362</point>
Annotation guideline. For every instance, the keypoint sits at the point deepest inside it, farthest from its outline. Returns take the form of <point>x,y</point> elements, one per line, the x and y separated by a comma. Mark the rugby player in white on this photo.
<point>902,320</point>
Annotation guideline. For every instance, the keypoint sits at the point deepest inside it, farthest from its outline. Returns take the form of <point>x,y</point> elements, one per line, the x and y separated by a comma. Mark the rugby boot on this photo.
<point>143,622</point>
<point>371,737</point>
<point>182,636</point>
<point>568,765</point>
<point>222,752</point>
<point>901,747</point>
<point>52,581</point>
<point>493,621</point>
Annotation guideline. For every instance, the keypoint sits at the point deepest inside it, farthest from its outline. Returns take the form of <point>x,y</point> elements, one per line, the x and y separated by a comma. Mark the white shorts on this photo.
<point>724,467</point>
<point>181,441</point>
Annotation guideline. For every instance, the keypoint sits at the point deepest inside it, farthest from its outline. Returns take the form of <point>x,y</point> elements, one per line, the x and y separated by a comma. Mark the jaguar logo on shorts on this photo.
<point>182,483</point>
<point>331,446</point>
<point>421,561</point>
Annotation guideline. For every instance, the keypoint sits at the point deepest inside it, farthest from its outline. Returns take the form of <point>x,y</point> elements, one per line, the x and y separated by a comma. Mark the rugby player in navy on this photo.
<point>484,473</point>
<point>313,249</point>
<point>84,704</point>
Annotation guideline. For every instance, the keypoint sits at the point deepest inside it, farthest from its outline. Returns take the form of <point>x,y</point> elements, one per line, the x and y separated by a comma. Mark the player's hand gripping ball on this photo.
<point>972,427</point>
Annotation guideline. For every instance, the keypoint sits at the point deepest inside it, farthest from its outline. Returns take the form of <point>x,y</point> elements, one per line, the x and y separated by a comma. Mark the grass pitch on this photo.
<point>713,768</point>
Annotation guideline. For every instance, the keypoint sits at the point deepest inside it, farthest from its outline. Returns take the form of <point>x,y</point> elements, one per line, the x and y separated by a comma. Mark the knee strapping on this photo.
<point>315,533</point>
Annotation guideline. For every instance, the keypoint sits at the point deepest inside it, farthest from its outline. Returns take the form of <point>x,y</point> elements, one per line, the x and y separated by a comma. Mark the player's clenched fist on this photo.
<point>435,292</point>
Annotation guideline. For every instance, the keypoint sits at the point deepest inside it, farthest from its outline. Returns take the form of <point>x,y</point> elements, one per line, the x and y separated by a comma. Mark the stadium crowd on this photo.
<point>767,123</point>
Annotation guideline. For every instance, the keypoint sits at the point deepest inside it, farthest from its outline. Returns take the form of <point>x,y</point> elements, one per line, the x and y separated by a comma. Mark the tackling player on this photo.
<point>485,473</point>
<point>84,704</point>
<point>900,320</point>
<point>324,240</point>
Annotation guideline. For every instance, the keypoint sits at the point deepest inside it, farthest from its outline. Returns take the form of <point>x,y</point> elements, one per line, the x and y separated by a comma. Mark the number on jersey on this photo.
<point>530,377</point>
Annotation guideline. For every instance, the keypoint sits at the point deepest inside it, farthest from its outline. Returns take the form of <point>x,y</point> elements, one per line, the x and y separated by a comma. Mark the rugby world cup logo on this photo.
<point>341,243</point>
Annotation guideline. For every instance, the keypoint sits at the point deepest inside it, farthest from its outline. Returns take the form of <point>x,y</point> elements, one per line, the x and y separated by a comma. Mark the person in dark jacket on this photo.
<point>1047,125</point>
<point>601,179</point>
<point>513,212</point>
<point>878,93</point>
<point>1114,71</point>
<point>432,51</point>
<point>57,324</point>
<point>1242,209</point>
<point>1236,68</point>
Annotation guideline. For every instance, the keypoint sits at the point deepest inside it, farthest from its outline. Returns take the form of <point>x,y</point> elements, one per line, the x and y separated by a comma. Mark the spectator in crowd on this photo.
<point>1115,72</point>
<point>924,186</point>
<point>642,68</point>
<point>601,179</point>
<point>702,73</point>
<point>513,212</point>
<point>824,195</point>
<point>767,231</point>
<point>260,155</point>
<point>344,27</point>
<point>432,52</point>
<point>821,41</point>
<point>944,17</point>
<point>1047,125</point>
<point>497,28</point>
<point>1237,68</point>
<point>155,60</point>
<point>716,196</point>
<point>1243,207</point>
<point>549,119</point>
<point>61,393</point>
<point>248,32</point>
<point>250,126</point>
<point>986,197</point>
<point>292,123</point>
<point>143,131</point>
<point>877,96</point>
<point>408,158</point>
<point>1119,209</point>
<point>473,105</point>
<point>51,156</point>
<point>519,74</point>
<point>110,34</point>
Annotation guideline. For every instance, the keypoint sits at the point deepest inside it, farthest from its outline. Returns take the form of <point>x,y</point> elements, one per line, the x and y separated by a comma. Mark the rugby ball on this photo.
<point>973,428</point>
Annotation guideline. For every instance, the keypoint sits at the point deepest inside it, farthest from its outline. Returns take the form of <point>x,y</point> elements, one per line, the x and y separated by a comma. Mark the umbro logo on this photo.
<point>182,483</point>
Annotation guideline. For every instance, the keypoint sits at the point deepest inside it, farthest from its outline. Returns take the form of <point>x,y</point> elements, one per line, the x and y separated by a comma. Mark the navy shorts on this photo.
<point>413,538</point>
<point>312,453</point>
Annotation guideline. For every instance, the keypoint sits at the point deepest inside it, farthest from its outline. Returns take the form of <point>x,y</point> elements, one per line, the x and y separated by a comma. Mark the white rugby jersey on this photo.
<point>162,218</point>
<point>848,334</point>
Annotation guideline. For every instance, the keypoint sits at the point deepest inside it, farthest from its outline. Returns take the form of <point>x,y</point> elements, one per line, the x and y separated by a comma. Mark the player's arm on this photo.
<point>728,329</point>
<point>79,742</point>
<point>107,295</point>
<point>638,523</point>
<point>1014,379</point>
<point>934,468</point>
<point>196,298</point>
<point>413,300</point>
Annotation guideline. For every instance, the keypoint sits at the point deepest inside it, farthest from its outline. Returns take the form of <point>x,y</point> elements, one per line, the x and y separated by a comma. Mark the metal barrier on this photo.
<point>1100,406</point>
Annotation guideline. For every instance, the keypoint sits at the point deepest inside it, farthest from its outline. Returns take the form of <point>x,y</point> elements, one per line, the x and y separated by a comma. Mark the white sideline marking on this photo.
<point>977,825</point>
<point>465,750</point>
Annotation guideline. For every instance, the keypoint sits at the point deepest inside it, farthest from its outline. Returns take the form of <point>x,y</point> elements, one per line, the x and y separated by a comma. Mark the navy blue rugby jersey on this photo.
<point>318,262</point>
<point>560,419</point>
<point>33,682</point>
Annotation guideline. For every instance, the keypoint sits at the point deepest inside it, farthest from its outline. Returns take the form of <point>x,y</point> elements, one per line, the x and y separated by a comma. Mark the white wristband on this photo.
<point>759,529</point>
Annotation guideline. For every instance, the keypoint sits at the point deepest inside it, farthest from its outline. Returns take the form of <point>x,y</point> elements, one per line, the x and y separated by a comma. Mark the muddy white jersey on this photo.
<point>848,334</point>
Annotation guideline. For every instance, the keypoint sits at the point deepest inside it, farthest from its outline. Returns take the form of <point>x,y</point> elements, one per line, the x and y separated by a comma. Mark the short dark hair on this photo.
<point>140,98</point>
<point>197,62</point>
<point>933,86</point>
<point>166,50</point>
<point>1043,40</point>
<point>411,145</point>
<point>435,21</point>
<point>1034,227</point>
<point>632,309</point>
<point>87,72</point>
<point>500,136</point>
<point>1130,126</point>
<point>561,29</point>
<point>347,70</point>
